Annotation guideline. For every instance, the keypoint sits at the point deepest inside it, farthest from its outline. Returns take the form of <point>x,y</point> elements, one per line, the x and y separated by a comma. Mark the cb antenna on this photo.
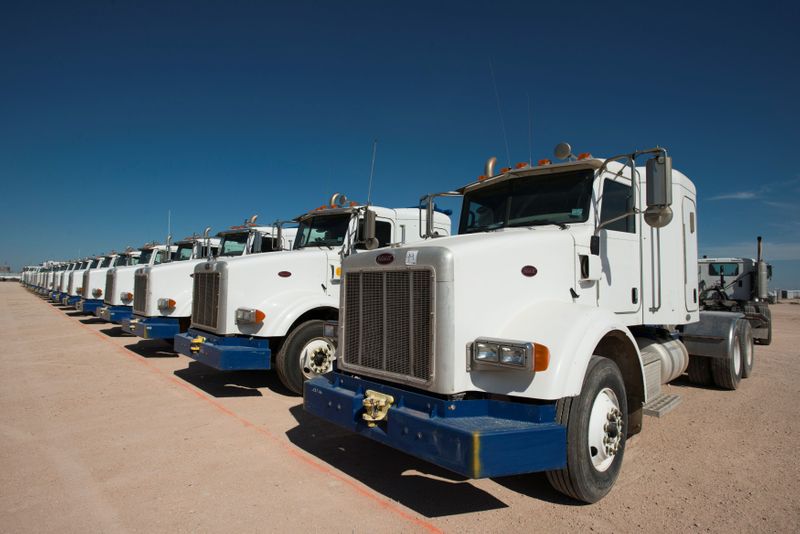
<point>372,170</point>
<point>500,111</point>
<point>530,132</point>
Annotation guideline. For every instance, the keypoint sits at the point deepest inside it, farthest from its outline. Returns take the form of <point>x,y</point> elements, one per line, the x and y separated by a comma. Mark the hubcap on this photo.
<point>316,358</point>
<point>605,429</point>
<point>737,357</point>
<point>748,352</point>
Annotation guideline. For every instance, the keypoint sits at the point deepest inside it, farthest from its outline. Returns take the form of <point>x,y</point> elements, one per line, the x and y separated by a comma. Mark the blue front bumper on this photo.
<point>474,438</point>
<point>152,327</point>
<point>114,314</point>
<point>226,353</point>
<point>71,301</point>
<point>89,305</point>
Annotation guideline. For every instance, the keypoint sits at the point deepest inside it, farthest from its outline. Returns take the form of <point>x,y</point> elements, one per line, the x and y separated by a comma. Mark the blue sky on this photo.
<point>111,113</point>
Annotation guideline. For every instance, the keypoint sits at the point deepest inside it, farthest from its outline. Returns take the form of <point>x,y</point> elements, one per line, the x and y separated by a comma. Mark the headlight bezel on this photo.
<point>519,354</point>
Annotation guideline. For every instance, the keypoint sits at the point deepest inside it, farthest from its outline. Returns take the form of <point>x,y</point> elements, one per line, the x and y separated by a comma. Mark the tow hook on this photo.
<point>376,407</point>
<point>196,342</point>
<point>132,324</point>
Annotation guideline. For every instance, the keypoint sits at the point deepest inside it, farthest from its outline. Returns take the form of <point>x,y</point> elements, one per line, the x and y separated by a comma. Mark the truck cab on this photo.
<point>118,290</point>
<point>62,281</point>
<point>260,312</point>
<point>94,282</point>
<point>537,338</point>
<point>739,285</point>
<point>162,294</point>
<point>75,281</point>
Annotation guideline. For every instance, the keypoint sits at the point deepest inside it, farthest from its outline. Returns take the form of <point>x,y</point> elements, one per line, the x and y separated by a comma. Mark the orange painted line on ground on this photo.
<point>292,451</point>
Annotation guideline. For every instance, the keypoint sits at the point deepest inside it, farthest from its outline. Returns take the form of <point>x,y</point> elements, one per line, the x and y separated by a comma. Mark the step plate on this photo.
<point>662,405</point>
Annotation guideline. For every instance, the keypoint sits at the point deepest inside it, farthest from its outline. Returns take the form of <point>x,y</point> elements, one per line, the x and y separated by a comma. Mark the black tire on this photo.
<point>748,354</point>
<point>291,370</point>
<point>727,372</point>
<point>764,310</point>
<point>580,479</point>
<point>699,371</point>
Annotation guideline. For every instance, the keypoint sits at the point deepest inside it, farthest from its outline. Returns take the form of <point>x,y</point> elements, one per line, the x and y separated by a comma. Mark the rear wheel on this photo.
<point>763,309</point>
<point>727,372</point>
<point>306,353</point>
<point>596,423</point>
<point>746,339</point>
<point>700,371</point>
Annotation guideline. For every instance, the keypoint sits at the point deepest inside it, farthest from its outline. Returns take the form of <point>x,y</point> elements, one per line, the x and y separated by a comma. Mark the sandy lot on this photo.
<point>103,432</point>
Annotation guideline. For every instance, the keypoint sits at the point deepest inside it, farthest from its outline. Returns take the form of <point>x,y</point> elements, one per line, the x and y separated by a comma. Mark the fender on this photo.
<point>283,309</point>
<point>572,332</point>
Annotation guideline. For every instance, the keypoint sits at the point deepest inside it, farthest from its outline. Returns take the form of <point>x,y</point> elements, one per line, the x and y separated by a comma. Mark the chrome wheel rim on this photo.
<point>317,357</point>
<point>605,429</point>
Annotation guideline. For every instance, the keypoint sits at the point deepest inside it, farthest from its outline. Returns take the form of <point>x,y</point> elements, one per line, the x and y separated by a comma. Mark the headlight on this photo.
<point>166,303</point>
<point>503,353</point>
<point>125,295</point>
<point>249,315</point>
<point>485,352</point>
<point>97,292</point>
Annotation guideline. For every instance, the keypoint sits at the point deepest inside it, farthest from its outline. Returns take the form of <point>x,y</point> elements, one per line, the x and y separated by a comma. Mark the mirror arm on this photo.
<point>427,202</point>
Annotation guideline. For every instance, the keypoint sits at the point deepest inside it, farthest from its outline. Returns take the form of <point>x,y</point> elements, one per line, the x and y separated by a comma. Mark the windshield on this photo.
<point>131,260</point>
<point>184,252</point>
<point>323,230</point>
<point>724,269</point>
<point>562,198</point>
<point>233,244</point>
<point>144,257</point>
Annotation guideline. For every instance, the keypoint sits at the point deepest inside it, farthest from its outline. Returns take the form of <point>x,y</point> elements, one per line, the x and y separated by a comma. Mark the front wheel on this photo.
<point>596,422</point>
<point>305,354</point>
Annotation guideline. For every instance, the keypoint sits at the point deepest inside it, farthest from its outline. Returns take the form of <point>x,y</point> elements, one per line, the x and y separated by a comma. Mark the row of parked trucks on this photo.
<point>535,339</point>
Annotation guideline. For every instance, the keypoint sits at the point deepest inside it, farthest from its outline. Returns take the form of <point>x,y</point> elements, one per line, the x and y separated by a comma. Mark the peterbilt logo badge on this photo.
<point>529,270</point>
<point>385,258</point>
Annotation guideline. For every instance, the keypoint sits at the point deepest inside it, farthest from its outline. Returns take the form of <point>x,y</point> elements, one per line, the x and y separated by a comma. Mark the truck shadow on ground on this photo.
<point>115,331</point>
<point>231,383</point>
<point>92,320</point>
<point>425,488</point>
<point>75,314</point>
<point>684,382</point>
<point>152,348</point>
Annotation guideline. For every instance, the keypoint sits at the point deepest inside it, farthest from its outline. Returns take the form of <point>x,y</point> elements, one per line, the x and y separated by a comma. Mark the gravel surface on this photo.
<point>104,432</point>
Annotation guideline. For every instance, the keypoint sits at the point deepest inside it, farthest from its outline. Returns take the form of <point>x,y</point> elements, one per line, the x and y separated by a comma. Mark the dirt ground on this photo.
<point>104,432</point>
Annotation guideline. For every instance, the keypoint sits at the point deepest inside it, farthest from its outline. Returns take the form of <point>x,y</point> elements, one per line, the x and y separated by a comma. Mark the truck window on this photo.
<point>323,230</point>
<point>160,256</point>
<point>184,252</point>
<point>268,244</point>
<point>617,200</point>
<point>561,198</point>
<point>144,257</point>
<point>233,244</point>
<point>383,232</point>
<point>724,269</point>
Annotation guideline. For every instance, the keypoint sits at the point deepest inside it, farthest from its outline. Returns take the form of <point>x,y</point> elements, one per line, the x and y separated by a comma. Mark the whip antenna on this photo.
<point>500,112</point>
<point>530,132</point>
<point>372,170</point>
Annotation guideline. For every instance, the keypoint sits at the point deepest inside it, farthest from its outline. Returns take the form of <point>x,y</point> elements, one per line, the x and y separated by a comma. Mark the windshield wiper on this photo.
<point>540,222</point>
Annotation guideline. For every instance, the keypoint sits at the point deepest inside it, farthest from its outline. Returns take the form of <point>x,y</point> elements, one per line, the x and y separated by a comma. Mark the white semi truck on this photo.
<point>62,281</point>
<point>74,281</point>
<point>163,296</point>
<point>260,312</point>
<point>537,338</point>
<point>118,291</point>
<point>94,281</point>
<point>162,293</point>
<point>739,285</point>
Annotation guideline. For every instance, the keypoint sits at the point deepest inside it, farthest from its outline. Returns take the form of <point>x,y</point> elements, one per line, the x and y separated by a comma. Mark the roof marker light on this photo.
<point>545,162</point>
<point>584,155</point>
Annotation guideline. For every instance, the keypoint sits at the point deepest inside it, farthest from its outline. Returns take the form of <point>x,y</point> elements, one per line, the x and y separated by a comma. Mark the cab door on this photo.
<point>620,286</point>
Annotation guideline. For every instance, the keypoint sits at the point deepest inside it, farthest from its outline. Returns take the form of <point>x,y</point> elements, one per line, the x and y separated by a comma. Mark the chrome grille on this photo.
<point>109,291</point>
<point>388,323</point>
<point>205,299</point>
<point>140,292</point>
<point>71,284</point>
<point>86,291</point>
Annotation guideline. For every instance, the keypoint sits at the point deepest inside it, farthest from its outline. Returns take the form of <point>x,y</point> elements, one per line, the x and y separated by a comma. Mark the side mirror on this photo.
<point>659,191</point>
<point>370,241</point>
